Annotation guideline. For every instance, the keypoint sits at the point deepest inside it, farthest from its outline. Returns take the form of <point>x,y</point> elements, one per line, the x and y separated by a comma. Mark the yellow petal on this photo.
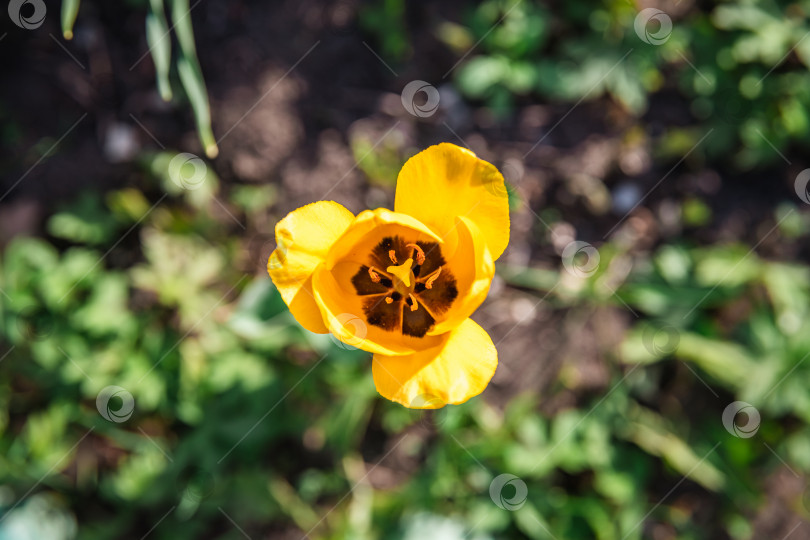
<point>341,307</point>
<point>473,267</point>
<point>303,240</point>
<point>369,227</point>
<point>452,371</point>
<point>445,181</point>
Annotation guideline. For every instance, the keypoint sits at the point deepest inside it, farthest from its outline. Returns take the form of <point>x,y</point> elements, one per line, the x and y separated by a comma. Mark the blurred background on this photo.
<point>651,311</point>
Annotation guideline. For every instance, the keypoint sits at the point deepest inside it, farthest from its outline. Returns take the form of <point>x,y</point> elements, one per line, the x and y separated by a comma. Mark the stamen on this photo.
<point>420,255</point>
<point>375,277</point>
<point>392,255</point>
<point>388,300</point>
<point>414,304</point>
<point>432,277</point>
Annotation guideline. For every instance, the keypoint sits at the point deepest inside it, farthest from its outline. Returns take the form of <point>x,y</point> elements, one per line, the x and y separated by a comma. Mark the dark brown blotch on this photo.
<point>416,323</point>
<point>364,285</point>
<point>440,297</point>
<point>379,255</point>
<point>385,316</point>
<point>433,257</point>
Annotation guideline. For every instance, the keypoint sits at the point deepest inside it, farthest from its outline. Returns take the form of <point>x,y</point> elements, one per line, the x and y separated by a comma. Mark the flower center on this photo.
<point>415,288</point>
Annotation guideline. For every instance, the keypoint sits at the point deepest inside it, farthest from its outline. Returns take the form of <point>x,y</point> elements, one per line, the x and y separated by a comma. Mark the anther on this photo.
<point>392,255</point>
<point>375,277</point>
<point>388,299</point>
<point>414,304</point>
<point>420,255</point>
<point>432,277</point>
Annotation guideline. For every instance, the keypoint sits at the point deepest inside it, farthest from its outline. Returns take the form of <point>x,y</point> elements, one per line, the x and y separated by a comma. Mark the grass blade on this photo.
<point>188,67</point>
<point>160,45</point>
<point>70,9</point>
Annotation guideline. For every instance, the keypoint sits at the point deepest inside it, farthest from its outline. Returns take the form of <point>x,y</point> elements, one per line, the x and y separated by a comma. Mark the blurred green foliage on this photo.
<point>739,68</point>
<point>246,424</point>
<point>241,415</point>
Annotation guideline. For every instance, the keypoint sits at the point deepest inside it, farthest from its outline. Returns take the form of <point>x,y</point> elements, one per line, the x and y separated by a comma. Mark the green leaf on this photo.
<point>86,222</point>
<point>106,311</point>
<point>651,432</point>
<point>160,46</point>
<point>70,9</point>
<point>727,266</point>
<point>729,363</point>
<point>188,67</point>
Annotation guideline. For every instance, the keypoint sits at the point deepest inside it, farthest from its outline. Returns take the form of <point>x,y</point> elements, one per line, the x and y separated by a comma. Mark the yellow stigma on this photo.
<point>403,272</point>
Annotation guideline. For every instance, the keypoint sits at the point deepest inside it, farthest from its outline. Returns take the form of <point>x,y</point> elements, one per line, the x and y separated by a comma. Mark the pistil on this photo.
<point>402,272</point>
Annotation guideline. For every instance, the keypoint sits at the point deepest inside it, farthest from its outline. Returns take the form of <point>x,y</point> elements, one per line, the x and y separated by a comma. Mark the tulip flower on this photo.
<point>403,284</point>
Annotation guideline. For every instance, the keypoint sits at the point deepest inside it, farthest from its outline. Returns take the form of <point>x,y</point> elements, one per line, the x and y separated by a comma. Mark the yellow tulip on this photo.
<point>403,284</point>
